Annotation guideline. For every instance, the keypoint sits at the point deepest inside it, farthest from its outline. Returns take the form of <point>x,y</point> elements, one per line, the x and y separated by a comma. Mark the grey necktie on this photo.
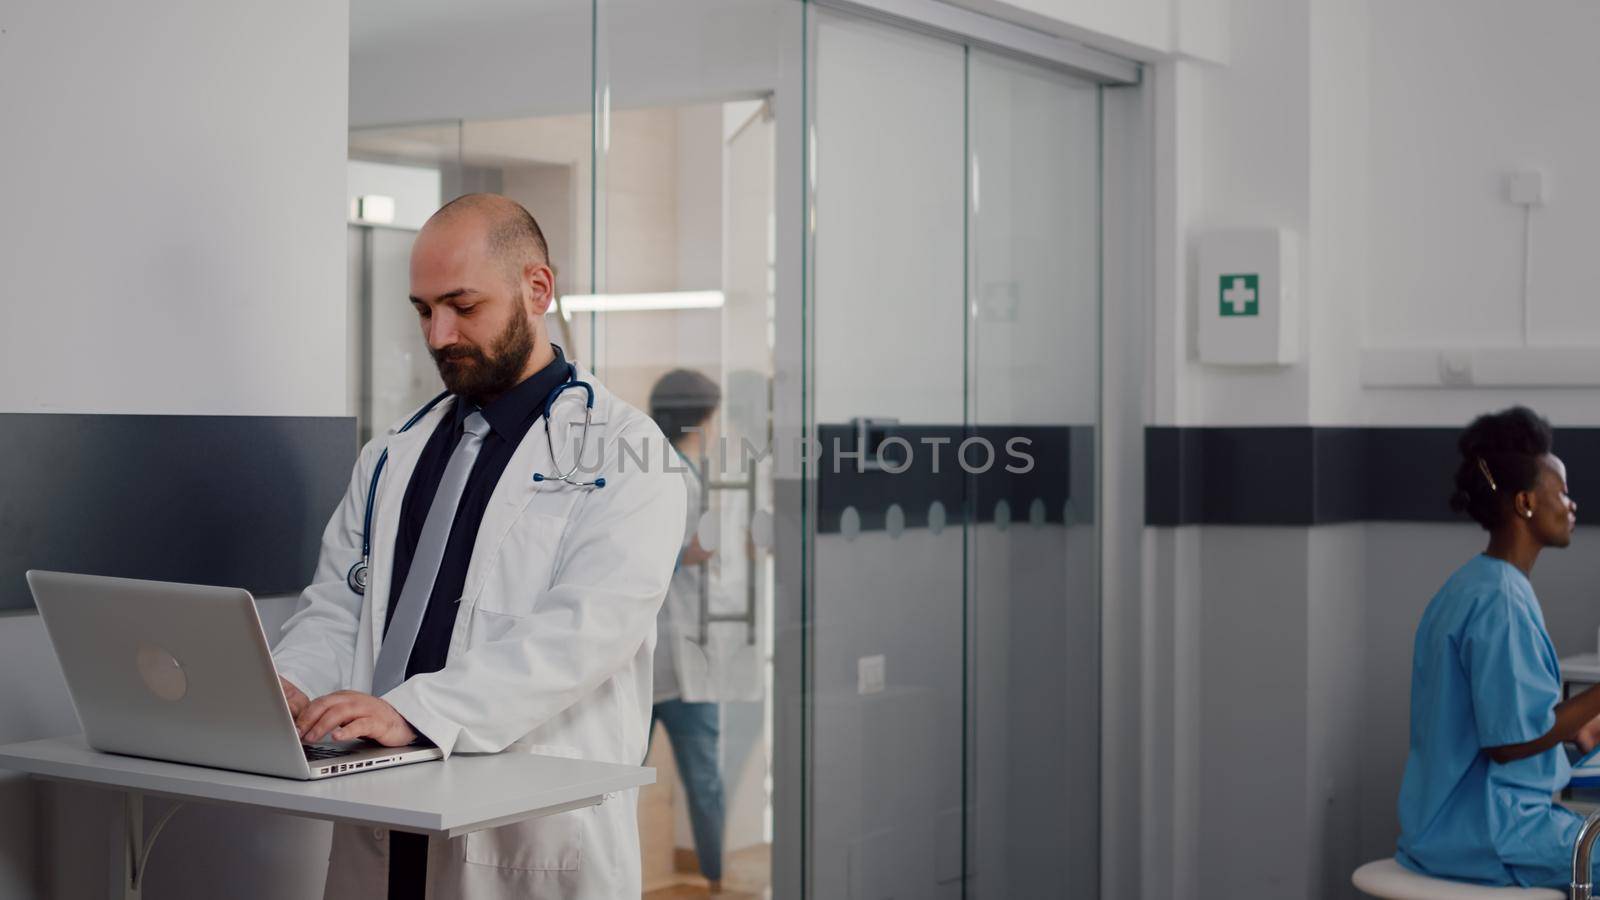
<point>407,621</point>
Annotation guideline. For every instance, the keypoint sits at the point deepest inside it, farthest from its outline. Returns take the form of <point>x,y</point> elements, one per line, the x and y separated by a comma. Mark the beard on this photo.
<point>478,376</point>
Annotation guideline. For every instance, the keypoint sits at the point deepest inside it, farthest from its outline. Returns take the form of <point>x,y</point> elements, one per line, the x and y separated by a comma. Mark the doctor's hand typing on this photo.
<point>349,715</point>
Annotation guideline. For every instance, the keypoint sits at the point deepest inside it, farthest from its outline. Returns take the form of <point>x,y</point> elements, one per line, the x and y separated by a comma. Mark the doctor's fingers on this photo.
<point>364,727</point>
<point>334,718</point>
<point>316,707</point>
<point>313,711</point>
<point>327,713</point>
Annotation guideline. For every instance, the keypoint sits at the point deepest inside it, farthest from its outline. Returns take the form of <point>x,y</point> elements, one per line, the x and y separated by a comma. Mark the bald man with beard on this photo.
<point>508,610</point>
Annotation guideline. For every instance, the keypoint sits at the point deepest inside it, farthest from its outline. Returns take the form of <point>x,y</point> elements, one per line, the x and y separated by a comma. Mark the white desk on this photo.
<point>440,799</point>
<point>1584,668</point>
<point>1578,672</point>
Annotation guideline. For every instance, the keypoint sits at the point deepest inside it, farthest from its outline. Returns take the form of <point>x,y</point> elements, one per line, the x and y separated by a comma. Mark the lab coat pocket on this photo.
<point>551,843</point>
<point>489,626</point>
<point>524,564</point>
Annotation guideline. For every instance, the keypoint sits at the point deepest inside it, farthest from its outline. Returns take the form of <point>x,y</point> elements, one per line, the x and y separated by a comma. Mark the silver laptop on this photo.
<point>182,672</point>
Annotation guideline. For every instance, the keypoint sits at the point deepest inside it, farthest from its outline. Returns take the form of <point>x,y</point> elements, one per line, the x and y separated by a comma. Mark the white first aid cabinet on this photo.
<point>1247,297</point>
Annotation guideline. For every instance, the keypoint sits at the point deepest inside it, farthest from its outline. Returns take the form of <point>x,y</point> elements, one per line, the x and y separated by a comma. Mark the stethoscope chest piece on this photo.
<point>357,577</point>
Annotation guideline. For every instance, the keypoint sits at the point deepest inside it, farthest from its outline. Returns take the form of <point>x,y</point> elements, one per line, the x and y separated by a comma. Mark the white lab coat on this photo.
<point>722,664</point>
<point>551,651</point>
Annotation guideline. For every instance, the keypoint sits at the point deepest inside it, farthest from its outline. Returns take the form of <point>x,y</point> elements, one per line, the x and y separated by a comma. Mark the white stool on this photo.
<point>1388,879</point>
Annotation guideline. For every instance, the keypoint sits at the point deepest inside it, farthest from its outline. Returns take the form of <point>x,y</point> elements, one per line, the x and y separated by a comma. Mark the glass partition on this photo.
<point>684,262</point>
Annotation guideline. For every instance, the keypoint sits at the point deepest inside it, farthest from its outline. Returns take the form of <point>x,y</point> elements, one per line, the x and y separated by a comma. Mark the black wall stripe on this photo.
<point>1307,475</point>
<point>230,500</point>
<point>870,492</point>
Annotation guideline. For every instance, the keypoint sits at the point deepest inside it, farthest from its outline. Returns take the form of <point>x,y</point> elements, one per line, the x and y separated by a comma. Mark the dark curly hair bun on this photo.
<point>1499,458</point>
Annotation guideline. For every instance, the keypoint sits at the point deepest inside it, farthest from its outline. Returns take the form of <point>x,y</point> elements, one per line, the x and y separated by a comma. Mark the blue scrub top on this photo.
<point>1484,674</point>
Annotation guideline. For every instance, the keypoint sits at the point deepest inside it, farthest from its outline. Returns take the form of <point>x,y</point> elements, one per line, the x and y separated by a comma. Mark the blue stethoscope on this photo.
<point>357,576</point>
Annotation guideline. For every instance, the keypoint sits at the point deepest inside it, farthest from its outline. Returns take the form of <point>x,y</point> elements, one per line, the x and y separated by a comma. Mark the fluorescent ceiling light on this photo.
<point>374,208</point>
<point>576,303</point>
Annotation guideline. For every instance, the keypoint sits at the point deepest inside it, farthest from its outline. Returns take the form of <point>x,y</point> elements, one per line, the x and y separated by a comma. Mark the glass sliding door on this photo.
<point>887,676</point>
<point>953,690</point>
<point>1033,595</point>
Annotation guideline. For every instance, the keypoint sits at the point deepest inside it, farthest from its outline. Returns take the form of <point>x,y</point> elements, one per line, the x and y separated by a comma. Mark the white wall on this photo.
<point>172,237</point>
<point>1390,137</point>
<point>1381,132</point>
<point>1253,635</point>
<point>1462,94</point>
<point>1495,88</point>
<point>1233,147</point>
<point>172,241</point>
<point>1392,127</point>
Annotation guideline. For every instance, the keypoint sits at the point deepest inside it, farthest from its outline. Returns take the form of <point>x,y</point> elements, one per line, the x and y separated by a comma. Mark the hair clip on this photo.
<point>1484,468</point>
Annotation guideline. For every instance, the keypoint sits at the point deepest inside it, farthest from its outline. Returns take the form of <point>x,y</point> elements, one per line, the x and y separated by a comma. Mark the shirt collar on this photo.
<point>510,414</point>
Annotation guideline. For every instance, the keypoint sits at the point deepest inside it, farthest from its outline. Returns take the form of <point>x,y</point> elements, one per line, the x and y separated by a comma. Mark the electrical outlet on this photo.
<point>870,675</point>
<point>1525,188</point>
<point>1455,368</point>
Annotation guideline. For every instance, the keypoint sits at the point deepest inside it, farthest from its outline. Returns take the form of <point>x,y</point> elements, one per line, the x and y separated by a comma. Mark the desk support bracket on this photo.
<point>130,850</point>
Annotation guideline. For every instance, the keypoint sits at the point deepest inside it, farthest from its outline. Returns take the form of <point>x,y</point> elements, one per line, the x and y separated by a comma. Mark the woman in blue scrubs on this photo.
<point>1487,718</point>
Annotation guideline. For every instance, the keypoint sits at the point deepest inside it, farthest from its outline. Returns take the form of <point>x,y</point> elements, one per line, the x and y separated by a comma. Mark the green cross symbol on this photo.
<point>1241,295</point>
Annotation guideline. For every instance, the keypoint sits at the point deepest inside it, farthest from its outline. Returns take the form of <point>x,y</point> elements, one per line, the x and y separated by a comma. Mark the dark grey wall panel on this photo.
<point>231,500</point>
<point>1052,447</point>
<point>1304,475</point>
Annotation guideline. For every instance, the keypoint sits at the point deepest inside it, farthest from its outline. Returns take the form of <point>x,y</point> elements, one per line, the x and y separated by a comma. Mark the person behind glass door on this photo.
<point>1487,718</point>
<point>682,403</point>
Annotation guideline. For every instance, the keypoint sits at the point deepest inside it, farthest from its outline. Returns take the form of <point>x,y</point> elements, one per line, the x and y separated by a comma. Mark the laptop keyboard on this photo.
<point>316,753</point>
